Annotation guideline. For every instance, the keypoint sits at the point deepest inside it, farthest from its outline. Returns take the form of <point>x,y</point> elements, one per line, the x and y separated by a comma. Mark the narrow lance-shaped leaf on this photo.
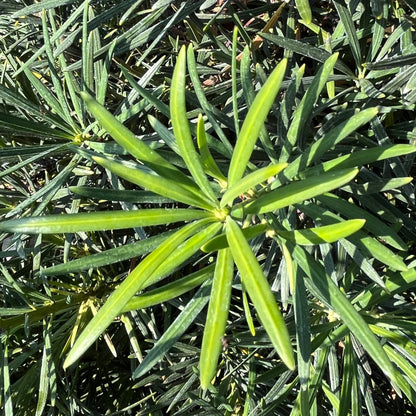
<point>363,157</point>
<point>125,138</point>
<point>113,255</point>
<point>329,139</point>
<point>44,374</point>
<point>375,225</point>
<point>217,316</point>
<point>157,184</point>
<point>304,10</point>
<point>347,378</point>
<point>298,191</point>
<point>181,128</point>
<point>260,293</point>
<point>350,30</point>
<point>207,160</point>
<point>170,290</point>
<point>250,181</point>
<point>100,221</point>
<point>365,243</point>
<point>325,234</point>
<point>303,330</point>
<point>136,280</point>
<point>253,123</point>
<point>175,330</point>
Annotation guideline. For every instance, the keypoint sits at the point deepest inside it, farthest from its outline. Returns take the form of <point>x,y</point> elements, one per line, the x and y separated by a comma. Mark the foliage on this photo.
<point>222,192</point>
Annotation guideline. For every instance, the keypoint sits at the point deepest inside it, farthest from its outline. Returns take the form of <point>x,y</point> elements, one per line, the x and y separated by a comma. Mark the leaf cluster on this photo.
<point>207,207</point>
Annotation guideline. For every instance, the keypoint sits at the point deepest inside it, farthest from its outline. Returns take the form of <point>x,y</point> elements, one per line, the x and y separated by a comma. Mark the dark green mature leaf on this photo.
<point>346,311</point>
<point>305,49</point>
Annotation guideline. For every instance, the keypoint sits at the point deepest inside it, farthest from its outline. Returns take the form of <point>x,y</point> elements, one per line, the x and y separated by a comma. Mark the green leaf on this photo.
<point>125,138</point>
<point>110,256</point>
<point>348,375</point>
<point>350,30</point>
<point>315,151</point>
<point>298,191</point>
<point>7,401</point>
<point>260,293</point>
<point>250,181</point>
<point>253,123</point>
<point>325,234</point>
<point>214,114</point>
<point>170,290</point>
<point>304,110</point>
<point>372,224</point>
<point>38,7</point>
<point>157,184</point>
<point>99,221</point>
<point>303,329</point>
<point>181,127</point>
<point>11,123</point>
<point>175,330</point>
<point>140,197</point>
<point>362,157</point>
<point>216,317</point>
<point>331,294</point>
<point>207,160</point>
<point>363,242</point>
<point>304,10</point>
<point>44,372</point>
<point>306,49</point>
<point>135,281</point>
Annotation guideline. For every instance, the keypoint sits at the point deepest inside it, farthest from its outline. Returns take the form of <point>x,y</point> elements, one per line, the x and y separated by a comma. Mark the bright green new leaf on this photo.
<point>260,293</point>
<point>99,221</point>
<point>217,317</point>
<point>160,185</point>
<point>253,123</point>
<point>125,138</point>
<point>325,234</point>
<point>136,280</point>
<point>297,192</point>
<point>170,290</point>
<point>304,10</point>
<point>207,160</point>
<point>181,127</point>
<point>250,181</point>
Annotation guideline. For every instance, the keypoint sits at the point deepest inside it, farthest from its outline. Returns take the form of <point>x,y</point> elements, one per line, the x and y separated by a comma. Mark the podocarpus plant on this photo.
<point>220,210</point>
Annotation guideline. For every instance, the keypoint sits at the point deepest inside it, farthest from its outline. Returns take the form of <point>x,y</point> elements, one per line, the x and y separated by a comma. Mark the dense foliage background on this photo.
<point>344,104</point>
